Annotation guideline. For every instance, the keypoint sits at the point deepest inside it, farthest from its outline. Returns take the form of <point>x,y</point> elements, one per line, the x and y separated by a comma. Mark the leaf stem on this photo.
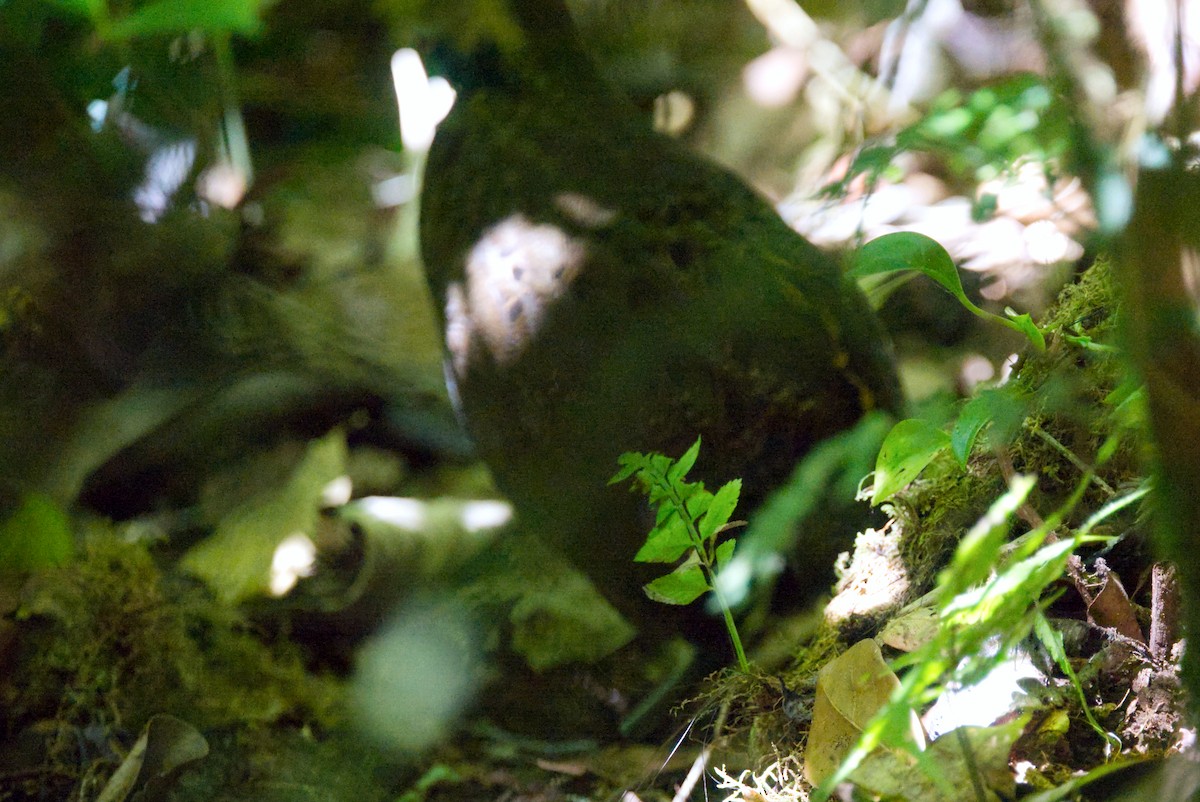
<point>735,639</point>
<point>706,565</point>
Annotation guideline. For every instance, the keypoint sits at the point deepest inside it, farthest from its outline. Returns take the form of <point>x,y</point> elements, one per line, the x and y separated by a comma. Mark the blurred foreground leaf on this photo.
<point>236,559</point>
<point>168,17</point>
<point>37,535</point>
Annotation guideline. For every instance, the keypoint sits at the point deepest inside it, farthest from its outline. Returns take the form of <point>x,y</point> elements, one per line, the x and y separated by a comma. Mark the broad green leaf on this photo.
<point>168,17</point>
<point>37,535</point>
<point>684,463</point>
<point>909,447</point>
<point>975,414</point>
<point>1113,198</point>
<point>697,502</point>
<point>1002,407</point>
<point>725,552</point>
<point>907,250</point>
<point>721,509</point>
<point>682,586</point>
<point>666,542</point>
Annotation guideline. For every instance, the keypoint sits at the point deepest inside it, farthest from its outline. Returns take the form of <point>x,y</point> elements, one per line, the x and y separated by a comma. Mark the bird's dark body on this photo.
<point>604,290</point>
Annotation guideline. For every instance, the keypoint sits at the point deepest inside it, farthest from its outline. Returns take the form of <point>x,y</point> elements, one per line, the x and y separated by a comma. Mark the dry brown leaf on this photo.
<point>850,691</point>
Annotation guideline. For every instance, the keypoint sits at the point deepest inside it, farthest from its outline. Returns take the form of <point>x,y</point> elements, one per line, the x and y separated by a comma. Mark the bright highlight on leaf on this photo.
<point>689,522</point>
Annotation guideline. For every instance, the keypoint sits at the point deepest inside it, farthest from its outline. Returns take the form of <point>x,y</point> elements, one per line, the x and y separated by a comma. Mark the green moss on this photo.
<point>256,765</point>
<point>1065,390</point>
<point>109,641</point>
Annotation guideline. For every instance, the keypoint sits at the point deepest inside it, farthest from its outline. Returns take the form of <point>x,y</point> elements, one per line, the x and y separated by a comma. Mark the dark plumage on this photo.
<point>604,290</point>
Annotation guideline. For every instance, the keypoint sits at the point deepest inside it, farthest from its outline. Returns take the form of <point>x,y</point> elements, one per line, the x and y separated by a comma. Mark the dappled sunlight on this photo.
<point>975,370</point>
<point>776,77</point>
<point>337,492</point>
<point>240,495</point>
<point>911,61</point>
<point>478,516</point>
<point>583,210</point>
<point>424,102</point>
<point>417,515</point>
<point>222,184</point>
<point>1189,264</point>
<point>294,558</point>
<point>1036,223</point>
<point>873,579</point>
<point>166,171</point>
<point>986,701</point>
<point>1164,29</point>
<point>405,513</point>
<point>170,160</point>
<point>674,112</point>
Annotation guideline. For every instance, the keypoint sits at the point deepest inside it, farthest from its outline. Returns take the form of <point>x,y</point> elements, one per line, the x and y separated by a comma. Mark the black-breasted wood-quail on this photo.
<point>604,290</point>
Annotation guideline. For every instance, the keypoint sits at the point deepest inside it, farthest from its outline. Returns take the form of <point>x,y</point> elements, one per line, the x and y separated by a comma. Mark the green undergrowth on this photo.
<point>1064,413</point>
<point>1064,402</point>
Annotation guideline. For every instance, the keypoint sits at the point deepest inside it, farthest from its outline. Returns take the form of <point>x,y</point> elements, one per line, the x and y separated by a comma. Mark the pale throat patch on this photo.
<point>514,275</point>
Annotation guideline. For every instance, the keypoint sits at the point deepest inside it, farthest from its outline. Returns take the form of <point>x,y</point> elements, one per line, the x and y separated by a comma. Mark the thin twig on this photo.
<point>1164,611</point>
<point>1073,458</point>
<point>701,763</point>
